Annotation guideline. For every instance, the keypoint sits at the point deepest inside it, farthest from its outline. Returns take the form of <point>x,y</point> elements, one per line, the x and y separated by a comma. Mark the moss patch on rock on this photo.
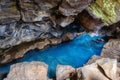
<point>105,9</point>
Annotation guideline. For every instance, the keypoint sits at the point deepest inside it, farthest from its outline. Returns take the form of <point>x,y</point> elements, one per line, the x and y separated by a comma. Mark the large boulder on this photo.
<point>28,71</point>
<point>102,69</point>
<point>64,72</point>
<point>112,49</point>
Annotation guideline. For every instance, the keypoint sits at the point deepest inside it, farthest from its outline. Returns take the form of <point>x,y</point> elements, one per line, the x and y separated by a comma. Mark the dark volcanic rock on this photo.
<point>73,7</point>
<point>36,10</point>
<point>112,31</point>
<point>15,33</point>
<point>8,11</point>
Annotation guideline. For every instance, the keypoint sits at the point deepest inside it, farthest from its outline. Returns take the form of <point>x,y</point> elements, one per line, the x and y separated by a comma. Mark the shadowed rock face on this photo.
<point>8,11</point>
<point>42,34</point>
<point>112,31</point>
<point>73,7</point>
<point>36,10</point>
<point>28,20</point>
<point>89,22</point>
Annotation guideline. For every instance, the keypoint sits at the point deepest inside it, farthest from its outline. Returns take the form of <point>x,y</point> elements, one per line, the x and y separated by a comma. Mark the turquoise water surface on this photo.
<point>75,53</point>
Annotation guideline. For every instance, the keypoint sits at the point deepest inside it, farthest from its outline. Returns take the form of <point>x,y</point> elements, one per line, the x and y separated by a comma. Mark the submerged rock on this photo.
<point>112,49</point>
<point>28,71</point>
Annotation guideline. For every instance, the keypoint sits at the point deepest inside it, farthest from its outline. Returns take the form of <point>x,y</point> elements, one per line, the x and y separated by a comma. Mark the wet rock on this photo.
<point>28,71</point>
<point>73,7</point>
<point>36,10</point>
<point>107,10</point>
<point>8,12</point>
<point>64,72</point>
<point>102,69</point>
<point>112,49</point>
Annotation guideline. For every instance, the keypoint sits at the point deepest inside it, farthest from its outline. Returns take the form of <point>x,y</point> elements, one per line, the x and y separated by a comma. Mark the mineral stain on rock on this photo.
<point>75,53</point>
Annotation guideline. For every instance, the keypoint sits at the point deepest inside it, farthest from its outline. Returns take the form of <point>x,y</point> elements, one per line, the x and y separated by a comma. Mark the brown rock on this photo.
<point>28,71</point>
<point>112,49</point>
<point>19,51</point>
<point>8,12</point>
<point>65,21</point>
<point>112,31</point>
<point>73,7</point>
<point>36,10</point>
<point>89,22</point>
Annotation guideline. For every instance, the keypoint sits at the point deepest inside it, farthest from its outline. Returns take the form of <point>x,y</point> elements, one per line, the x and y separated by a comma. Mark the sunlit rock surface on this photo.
<point>112,49</point>
<point>64,72</point>
<point>28,71</point>
<point>101,69</point>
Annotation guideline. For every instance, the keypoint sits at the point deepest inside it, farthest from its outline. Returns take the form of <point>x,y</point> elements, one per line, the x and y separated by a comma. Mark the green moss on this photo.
<point>104,9</point>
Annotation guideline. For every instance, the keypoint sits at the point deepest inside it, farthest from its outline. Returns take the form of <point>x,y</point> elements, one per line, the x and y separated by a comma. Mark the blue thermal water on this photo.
<point>75,53</point>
